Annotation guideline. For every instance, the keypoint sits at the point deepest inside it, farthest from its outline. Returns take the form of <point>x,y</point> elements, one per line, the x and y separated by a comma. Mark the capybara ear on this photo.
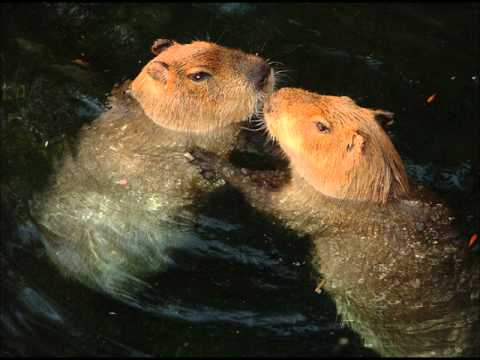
<point>161,44</point>
<point>383,118</point>
<point>357,144</point>
<point>346,100</point>
<point>158,70</point>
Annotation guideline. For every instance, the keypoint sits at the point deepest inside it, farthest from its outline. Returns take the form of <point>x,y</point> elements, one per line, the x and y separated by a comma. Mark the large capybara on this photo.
<point>126,193</point>
<point>386,251</point>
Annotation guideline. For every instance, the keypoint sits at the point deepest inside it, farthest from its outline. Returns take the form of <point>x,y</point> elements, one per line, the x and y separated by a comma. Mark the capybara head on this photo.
<point>336,145</point>
<point>201,86</point>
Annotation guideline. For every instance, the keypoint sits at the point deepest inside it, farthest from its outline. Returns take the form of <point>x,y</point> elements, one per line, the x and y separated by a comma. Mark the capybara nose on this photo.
<point>267,107</point>
<point>261,74</point>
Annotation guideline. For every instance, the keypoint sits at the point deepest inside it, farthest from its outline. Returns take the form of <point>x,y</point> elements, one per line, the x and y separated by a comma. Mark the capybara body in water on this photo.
<point>126,193</point>
<point>386,251</point>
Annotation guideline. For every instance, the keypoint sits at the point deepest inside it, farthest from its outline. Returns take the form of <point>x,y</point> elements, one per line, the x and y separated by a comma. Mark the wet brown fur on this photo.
<point>399,271</point>
<point>126,194</point>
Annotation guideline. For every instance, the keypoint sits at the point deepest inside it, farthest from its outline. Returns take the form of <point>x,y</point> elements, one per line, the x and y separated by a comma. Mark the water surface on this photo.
<point>242,292</point>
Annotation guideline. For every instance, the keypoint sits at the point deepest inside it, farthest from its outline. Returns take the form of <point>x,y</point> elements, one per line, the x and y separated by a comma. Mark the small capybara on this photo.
<point>125,195</point>
<point>386,251</point>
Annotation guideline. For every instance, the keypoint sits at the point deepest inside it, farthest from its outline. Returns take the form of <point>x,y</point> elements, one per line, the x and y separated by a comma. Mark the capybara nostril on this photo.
<point>260,75</point>
<point>267,108</point>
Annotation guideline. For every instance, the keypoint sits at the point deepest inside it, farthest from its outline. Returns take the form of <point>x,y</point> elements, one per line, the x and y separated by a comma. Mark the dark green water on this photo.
<point>259,300</point>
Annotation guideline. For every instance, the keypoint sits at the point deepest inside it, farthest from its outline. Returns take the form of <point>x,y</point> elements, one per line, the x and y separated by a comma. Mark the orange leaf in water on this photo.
<point>473,240</point>
<point>123,182</point>
<point>431,98</point>
<point>319,287</point>
<point>80,62</point>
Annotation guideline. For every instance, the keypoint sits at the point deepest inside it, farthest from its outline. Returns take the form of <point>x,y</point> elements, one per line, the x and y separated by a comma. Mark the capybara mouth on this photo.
<point>265,74</point>
<point>271,106</point>
<point>261,75</point>
<point>270,115</point>
<point>264,89</point>
<point>267,106</point>
<point>277,103</point>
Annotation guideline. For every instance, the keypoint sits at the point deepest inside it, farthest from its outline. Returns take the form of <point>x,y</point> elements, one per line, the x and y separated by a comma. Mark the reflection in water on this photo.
<point>241,286</point>
<point>32,323</point>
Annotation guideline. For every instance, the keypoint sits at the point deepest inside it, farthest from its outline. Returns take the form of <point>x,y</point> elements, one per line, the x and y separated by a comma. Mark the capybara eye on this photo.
<point>164,64</point>
<point>199,76</point>
<point>322,127</point>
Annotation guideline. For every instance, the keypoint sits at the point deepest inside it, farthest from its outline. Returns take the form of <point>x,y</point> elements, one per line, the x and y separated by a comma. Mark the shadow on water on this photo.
<point>212,302</point>
<point>245,287</point>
